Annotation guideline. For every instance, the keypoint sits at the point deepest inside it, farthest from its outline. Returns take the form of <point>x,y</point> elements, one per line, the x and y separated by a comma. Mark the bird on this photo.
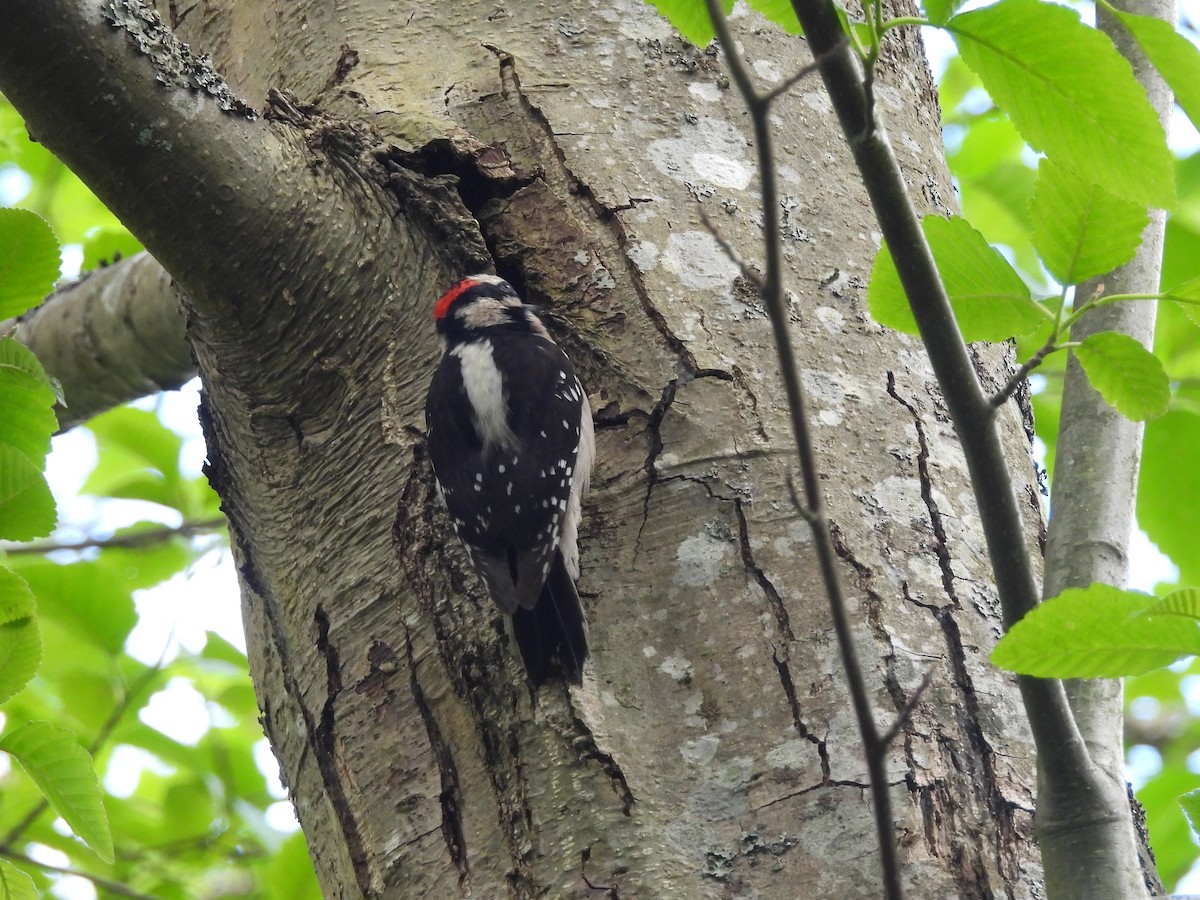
<point>512,444</point>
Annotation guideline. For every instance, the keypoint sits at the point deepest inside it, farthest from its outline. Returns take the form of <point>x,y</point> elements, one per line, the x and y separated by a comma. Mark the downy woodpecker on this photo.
<point>511,442</point>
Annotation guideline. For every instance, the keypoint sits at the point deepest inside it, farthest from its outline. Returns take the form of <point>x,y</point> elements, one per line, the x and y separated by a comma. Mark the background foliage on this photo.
<point>996,173</point>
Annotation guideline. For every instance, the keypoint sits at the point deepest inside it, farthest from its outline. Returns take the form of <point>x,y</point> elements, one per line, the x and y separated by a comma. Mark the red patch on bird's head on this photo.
<point>447,299</point>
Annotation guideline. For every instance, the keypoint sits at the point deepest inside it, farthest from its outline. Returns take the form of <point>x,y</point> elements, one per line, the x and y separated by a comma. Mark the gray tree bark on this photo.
<point>711,751</point>
<point>1095,487</point>
<point>113,336</point>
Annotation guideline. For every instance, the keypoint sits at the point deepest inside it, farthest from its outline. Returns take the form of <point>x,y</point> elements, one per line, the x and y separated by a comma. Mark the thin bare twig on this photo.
<point>772,294</point>
<point>749,274</point>
<point>1028,366</point>
<point>113,887</point>
<point>799,504</point>
<point>790,82</point>
<point>906,711</point>
<point>132,539</point>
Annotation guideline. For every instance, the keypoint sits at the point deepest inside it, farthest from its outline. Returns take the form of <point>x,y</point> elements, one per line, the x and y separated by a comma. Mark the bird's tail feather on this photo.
<point>553,635</point>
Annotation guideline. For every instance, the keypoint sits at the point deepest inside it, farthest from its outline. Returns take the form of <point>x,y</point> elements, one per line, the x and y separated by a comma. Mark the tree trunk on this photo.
<point>711,750</point>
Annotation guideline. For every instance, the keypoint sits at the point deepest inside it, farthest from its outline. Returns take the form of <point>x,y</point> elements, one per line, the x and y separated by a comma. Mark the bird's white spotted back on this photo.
<point>580,482</point>
<point>485,391</point>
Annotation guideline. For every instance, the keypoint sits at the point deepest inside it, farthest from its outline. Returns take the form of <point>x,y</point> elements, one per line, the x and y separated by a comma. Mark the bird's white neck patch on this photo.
<point>485,392</point>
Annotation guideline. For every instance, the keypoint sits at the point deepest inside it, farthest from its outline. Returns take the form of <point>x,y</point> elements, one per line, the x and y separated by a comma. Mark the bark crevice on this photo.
<point>654,430</point>
<point>450,798</point>
<point>944,836</point>
<point>470,665</point>
<point>325,750</point>
<point>583,741</point>
<point>985,778</point>
<point>781,654</point>
<point>940,545</point>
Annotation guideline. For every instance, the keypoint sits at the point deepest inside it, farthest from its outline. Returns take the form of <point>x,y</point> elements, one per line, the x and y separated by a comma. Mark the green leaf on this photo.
<point>137,734</point>
<point>27,418</point>
<point>990,301</point>
<point>26,504</point>
<point>92,599</point>
<point>1175,57</point>
<point>690,18</point>
<point>149,564</point>
<point>62,770</point>
<point>1188,296</point>
<point>217,648</point>
<point>92,698</point>
<point>1177,347</point>
<point>1191,809</point>
<point>290,872</point>
<point>1168,499</point>
<point>1128,376</point>
<point>1183,602</point>
<point>20,655</point>
<point>29,263</point>
<point>239,698</point>
<point>15,884</point>
<point>65,662</point>
<point>1095,632</point>
<point>106,246</point>
<point>781,12</point>
<point>1170,836</point>
<point>990,141</point>
<point>956,84</point>
<point>996,187</point>
<point>1080,230</point>
<point>139,460</point>
<point>1188,292</point>
<point>20,637</point>
<point>16,599</point>
<point>187,811</point>
<point>938,11</point>
<point>1070,94</point>
<point>140,433</point>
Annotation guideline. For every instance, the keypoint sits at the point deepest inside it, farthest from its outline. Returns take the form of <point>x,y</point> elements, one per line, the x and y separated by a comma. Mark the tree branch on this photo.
<point>1095,489</point>
<point>111,337</point>
<point>1010,387</point>
<point>132,539</point>
<point>219,198</point>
